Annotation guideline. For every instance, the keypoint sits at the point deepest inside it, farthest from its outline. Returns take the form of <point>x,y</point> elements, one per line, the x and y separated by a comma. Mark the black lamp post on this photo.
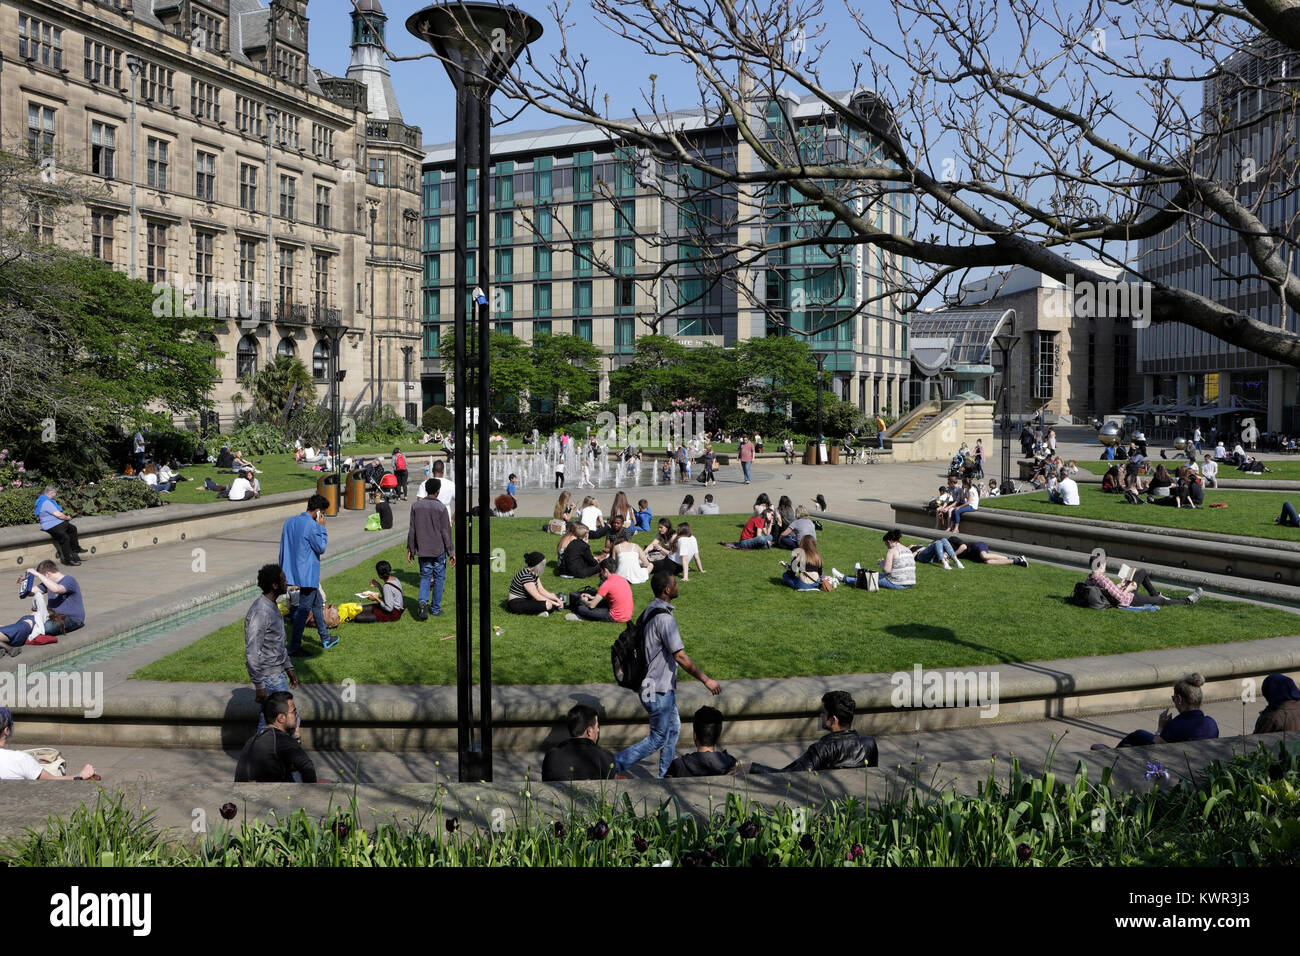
<point>1006,342</point>
<point>335,333</point>
<point>821,372</point>
<point>477,43</point>
<point>406,382</point>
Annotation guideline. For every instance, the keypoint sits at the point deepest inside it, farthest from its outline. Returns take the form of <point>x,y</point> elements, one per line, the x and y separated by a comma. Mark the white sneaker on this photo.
<point>960,566</point>
<point>572,617</point>
<point>857,565</point>
<point>545,614</point>
<point>835,573</point>
<point>946,565</point>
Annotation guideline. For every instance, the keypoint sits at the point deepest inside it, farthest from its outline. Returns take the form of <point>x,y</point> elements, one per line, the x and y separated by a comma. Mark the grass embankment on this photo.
<point>739,620</point>
<point>1278,470</point>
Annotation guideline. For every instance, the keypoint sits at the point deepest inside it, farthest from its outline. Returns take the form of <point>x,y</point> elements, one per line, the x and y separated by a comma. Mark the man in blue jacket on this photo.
<point>302,542</point>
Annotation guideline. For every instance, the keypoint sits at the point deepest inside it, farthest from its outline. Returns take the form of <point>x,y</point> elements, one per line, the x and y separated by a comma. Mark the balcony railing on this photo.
<point>290,314</point>
<point>325,316</point>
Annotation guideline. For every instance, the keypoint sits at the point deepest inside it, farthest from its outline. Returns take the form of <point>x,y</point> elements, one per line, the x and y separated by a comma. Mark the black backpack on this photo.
<point>1086,594</point>
<point>628,656</point>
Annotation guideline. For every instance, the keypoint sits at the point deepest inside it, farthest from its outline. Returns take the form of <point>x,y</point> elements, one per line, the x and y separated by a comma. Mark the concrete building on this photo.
<point>589,239</point>
<point>224,162</point>
<point>1251,148</point>
<point>1068,363</point>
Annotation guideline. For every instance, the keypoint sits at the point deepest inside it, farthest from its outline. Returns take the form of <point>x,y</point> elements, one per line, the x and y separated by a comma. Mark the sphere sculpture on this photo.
<point>1139,437</point>
<point>1180,444</point>
<point>1108,434</point>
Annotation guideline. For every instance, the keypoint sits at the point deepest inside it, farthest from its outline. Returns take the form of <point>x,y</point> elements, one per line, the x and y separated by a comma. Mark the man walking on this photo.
<point>302,542</point>
<point>274,754</point>
<point>745,451</point>
<point>265,654</point>
<point>664,651</point>
<point>429,539</point>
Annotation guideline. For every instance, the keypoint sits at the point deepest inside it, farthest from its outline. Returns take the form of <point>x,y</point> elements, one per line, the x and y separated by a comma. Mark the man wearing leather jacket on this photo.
<point>841,749</point>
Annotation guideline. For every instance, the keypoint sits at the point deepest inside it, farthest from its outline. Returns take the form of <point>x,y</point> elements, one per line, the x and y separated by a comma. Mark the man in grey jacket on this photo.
<point>429,539</point>
<point>265,653</point>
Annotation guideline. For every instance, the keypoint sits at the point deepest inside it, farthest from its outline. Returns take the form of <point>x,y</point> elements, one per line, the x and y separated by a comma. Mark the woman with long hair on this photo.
<point>804,572</point>
<point>564,506</point>
<point>622,507</point>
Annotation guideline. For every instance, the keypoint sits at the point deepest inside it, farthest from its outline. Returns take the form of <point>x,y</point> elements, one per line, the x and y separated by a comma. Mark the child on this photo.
<point>666,473</point>
<point>585,481</point>
<point>993,491</point>
<point>391,602</point>
<point>642,515</point>
<point>686,547</point>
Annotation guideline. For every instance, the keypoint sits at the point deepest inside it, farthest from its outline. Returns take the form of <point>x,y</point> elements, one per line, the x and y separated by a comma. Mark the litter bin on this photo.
<point>328,485</point>
<point>810,454</point>
<point>835,453</point>
<point>355,497</point>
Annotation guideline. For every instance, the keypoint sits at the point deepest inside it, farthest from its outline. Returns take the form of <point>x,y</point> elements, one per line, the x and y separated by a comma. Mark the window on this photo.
<point>246,357</point>
<point>505,226</point>
<point>286,130</point>
<point>378,171</point>
<point>408,298</point>
<point>320,360</point>
<point>432,234</point>
<point>248,186</point>
<point>542,221</point>
<point>156,164</point>
<point>40,222</point>
<point>248,116</point>
<point>582,259</point>
<point>247,270</point>
<point>155,252</point>
<point>503,301</point>
<point>103,65</point>
<point>408,179</point>
<point>1044,371</point>
<point>505,184</point>
<point>409,232</point>
<point>205,101</point>
<point>40,131</point>
<point>287,263</point>
<point>582,328</point>
<point>624,294</point>
<point>204,243</point>
<point>287,348</point>
<point>288,197</point>
<point>322,280</point>
<point>432,270</point>
<point>505,264</point>
<point>582,175</point>
<point>322,141</point>
<point>624,326</point>
<point>625,218</point>
<point>205,175</point>
<point>625,255</point>
<point>541,261</point>
<point>541,327</point>
<point>288,65</point>
<point>322,206</point>
<point>101,235</point>
<point>582,219</point>
<point>158,85</point>
<point>542,298</point>
<point>582,298</point>
<point>103,148</point>
<point>542,179</point>
<point>432,303</point>
<point>208,29</point>
<point>40,42</point>
<point>431,337</point>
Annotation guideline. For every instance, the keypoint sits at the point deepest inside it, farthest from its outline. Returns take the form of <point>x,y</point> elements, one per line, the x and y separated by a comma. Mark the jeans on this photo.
<point>889,585</point>
<point>759,541</point>
<point>1289,515</point>
<point>598,613</point>
<point>956,515</point>
<point>272,684</point>
<point>433,570</point>
<point>789,541</point>
<point>559,479</point>
<point>309,602</point>
<point>790,578</point>
<point>880,439</point>
<point>744,466</point>
<point>665,726</point>
<point>935,552</point>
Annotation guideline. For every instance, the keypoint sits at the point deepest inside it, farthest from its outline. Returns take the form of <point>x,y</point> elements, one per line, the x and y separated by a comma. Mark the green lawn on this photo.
<point>738,620</point>
<point>1288,470</point>
<point>1249,513</point>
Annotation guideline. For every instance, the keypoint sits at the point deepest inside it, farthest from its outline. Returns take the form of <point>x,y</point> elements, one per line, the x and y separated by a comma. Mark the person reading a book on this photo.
<point>1125,593</point>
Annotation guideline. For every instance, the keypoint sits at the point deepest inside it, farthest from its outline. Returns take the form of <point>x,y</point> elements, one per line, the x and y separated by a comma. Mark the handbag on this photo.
<point>867,580</point>
<point>827,583</point>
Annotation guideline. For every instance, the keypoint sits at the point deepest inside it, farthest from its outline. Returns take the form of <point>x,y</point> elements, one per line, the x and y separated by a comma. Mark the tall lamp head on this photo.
<point>476,42</point>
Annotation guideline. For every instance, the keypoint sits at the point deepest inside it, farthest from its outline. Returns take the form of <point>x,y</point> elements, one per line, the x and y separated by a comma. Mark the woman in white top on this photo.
<point>686,547</point>
<point>972,503</point>
<point>633,565</point>
<point>590,516</point>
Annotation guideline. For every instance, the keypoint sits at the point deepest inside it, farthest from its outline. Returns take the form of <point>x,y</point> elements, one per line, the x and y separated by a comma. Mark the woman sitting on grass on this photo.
<point>622,507</point>
<point>662,545</point>
<point>391,602</point>
<point>804,572</point>
<point>784,517</point>
<point>686,548</point>
<point>527,596</point>
<point>897,567</point>
<point>577,561</point>
<point>1132,484</point>
<point>688,506</point>
<point>1160,485</point>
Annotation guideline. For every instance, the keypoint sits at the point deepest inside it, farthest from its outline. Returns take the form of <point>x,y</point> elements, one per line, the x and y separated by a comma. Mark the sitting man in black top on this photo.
<point>841,748</point>
<point>274,754</point>
<point>707,761</point>
<point>579,757</point>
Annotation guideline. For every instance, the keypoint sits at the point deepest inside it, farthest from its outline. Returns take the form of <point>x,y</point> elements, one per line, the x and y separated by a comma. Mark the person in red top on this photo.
<point>399,471</point>
<point>757,532</point>
<point>613,602</point>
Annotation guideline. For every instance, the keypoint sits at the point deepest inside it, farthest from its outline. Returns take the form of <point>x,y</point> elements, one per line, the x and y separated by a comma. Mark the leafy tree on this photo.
<point>271,386</point>
<point>565,368</point>
<point>778,371</point>
<point>656,374</point>
<point>510,367</point>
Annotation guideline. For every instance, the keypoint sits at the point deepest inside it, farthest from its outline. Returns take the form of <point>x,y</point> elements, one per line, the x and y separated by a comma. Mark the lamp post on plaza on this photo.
<point>406,379</point>
<point>1006,342</point>
<point>335,333</point>
<point>136,66</point>
<point>477,43</point>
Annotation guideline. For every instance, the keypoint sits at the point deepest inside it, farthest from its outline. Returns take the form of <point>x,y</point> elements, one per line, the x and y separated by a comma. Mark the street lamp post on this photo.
<point>272,116</point>
<point>374,388</point>
<point>406,380</point>
<point>1006,341</point>
<point>477,44</point>
<point>335,333</point>
<point>136,66</point>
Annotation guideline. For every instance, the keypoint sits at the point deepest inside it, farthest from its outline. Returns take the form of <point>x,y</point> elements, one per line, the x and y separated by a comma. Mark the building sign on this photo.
<point>1211,386</point>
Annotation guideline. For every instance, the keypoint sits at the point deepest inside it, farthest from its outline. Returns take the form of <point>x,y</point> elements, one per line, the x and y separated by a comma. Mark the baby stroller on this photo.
<point>381,484</point>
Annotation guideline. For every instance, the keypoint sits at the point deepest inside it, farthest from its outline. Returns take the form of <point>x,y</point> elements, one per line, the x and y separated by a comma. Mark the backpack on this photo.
<point>1086,594</point>
<point>628,656</point>
<point>399,463</point>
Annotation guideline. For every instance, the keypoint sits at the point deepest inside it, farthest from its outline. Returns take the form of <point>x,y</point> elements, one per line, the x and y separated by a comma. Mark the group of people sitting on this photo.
<point>1183,489</point>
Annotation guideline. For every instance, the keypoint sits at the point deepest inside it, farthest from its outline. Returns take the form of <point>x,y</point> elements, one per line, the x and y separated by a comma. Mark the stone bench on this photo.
<point>24,546</point>
<point>1260,559</point>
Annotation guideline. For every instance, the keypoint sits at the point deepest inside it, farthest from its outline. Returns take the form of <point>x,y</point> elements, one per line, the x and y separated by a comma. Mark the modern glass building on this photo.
<point>591,238</point>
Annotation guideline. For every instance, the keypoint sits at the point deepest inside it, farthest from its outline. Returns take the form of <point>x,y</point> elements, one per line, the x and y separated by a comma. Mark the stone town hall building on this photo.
<point>258,179</point>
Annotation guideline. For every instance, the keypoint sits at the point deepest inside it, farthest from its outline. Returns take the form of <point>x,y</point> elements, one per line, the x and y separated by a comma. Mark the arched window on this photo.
<point>246,357</point>
<point>287,347</point>
<point>209,339</point>
<point>320,360</point>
